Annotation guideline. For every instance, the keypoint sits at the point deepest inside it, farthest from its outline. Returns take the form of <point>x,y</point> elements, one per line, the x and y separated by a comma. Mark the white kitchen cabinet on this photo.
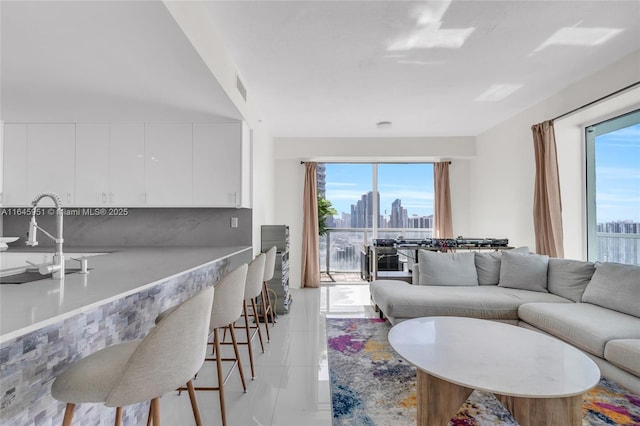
<point>126,165</point>
<point>218,170</point>
<point>169,164</point>
<point>51,160</point>
<point>14,168</point>
<point>92,164</point>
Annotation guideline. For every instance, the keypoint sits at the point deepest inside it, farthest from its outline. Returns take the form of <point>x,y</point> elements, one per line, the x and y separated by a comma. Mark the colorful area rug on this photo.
<point>372,386</point>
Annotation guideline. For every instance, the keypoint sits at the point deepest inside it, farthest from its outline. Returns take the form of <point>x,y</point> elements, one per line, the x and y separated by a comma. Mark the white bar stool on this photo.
<point>142,370</point>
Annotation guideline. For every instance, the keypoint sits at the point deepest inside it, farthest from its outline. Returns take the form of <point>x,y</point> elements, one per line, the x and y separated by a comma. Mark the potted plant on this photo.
<point>325,209</point>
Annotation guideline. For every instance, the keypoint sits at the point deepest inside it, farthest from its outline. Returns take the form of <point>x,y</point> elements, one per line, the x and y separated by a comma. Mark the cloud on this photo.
<point>625,174</point>
<point>340,184</point>
<point>406,195</point>
<point>343,194</point>
<point>628,136</point>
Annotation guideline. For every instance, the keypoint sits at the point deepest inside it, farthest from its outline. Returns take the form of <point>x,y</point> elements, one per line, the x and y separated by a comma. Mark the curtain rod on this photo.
<point>377,162</point>
<point>596,101</point>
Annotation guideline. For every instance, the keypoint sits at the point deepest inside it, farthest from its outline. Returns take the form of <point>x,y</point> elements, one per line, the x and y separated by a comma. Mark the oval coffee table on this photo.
<point>540,379</point>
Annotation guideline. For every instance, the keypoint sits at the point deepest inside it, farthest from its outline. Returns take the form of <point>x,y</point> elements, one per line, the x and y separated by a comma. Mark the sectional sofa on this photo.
<point>594,307</point>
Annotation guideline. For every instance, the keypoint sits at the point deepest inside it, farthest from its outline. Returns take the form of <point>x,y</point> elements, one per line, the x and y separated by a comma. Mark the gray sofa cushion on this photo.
<point>615,286</point>
<point>403,300</point>
<point>586,326</point>
<point>447,269</point>
<point>569,278</point>
<point>526,272</point>
<point>624,353</point>
<point>488,265</point>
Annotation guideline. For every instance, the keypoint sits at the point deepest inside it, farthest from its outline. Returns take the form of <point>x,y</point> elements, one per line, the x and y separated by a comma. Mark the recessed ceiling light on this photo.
<point>383,124</point>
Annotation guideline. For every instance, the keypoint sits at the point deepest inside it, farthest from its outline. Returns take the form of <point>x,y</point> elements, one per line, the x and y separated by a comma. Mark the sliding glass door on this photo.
<point>613,190</point>
<point>373,201</point>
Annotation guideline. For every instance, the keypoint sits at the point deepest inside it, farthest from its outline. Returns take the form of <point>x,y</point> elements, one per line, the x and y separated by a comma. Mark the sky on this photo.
<point>618,175</point>
<point>411,183</point>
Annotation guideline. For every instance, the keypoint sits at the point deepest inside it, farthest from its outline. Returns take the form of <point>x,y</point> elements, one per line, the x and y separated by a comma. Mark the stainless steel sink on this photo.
<point>28,275</point>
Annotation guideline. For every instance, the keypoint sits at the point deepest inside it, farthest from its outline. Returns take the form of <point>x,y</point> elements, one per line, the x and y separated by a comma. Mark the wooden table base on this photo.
<point>439,401</point>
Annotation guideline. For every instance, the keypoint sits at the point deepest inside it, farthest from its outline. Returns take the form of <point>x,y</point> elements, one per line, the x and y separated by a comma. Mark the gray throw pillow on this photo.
<point>488,265</point>
<point>569,278</point>
<point>452,269</point>
<point>615,286</point>
<point>525,272</point>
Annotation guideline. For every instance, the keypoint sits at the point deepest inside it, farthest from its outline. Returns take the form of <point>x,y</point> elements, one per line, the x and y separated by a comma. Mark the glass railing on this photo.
<point>620,248</point>
<point>341,248</point>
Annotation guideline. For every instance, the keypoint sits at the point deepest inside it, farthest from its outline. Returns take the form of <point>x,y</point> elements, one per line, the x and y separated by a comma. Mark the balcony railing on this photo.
<point>620,248</point>
<point>340,248</point>
<point>345,244</point>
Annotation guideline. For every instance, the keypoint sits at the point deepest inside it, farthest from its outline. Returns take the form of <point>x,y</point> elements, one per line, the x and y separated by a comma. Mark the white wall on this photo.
<point>502,173</point>
<point>193,19</point>
<point>289,174</point>
<point>263,195</point>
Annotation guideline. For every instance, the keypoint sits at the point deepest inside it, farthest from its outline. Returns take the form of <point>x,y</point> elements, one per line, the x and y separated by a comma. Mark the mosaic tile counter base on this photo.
<point>371,385</point>
<point>29,363</point>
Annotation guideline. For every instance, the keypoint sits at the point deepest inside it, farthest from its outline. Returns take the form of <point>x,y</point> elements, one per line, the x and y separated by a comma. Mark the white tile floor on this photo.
<point>292,383</point>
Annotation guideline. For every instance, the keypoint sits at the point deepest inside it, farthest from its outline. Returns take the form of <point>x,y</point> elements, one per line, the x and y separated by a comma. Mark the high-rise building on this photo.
<point>362,212</point>
<point>321,173</point>
<point>416,221</point>
<point>399,216</point>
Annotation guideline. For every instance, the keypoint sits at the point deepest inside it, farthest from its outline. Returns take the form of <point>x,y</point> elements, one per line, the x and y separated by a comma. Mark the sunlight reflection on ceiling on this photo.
<point>428,32</point>
<point>572,36</point>
<point>497,92</point>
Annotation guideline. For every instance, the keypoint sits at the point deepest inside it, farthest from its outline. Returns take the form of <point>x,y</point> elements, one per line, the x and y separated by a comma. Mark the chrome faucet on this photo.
<point>57,267</point>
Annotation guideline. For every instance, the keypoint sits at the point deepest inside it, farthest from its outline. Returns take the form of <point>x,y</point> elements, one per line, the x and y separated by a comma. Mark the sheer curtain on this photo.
<point>443,226</point>
<point>547,204</point>
<point>310,248</point>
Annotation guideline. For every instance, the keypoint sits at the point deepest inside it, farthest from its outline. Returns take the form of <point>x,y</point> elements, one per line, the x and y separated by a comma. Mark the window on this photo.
<point>406,199</point>
<point>373,201</point>
<point>613,190</point>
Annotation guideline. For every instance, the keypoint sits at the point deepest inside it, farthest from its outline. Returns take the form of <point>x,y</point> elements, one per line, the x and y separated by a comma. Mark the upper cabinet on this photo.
<point>168,164</point>
<point>92,164</point>
<point>38,158</point>
<point>14,179</point>
<point>51,161</point>
<point>218,172</point>
<point>128,164</point>
<point>110,164</point>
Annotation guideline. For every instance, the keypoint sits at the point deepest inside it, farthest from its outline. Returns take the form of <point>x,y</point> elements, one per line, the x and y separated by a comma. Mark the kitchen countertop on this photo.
<point>119,273</point>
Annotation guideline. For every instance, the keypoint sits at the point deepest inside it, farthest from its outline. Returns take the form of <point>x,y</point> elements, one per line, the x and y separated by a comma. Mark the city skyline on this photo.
<point>410,183</point>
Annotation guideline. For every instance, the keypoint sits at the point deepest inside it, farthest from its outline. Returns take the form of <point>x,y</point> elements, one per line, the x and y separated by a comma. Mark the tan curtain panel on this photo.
<point>310,248</point>
<point>443,226</point>
<point>547,204</point>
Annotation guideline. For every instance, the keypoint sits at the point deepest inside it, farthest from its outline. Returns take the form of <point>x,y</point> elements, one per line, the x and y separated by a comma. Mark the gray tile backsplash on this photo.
<point>149,227</point>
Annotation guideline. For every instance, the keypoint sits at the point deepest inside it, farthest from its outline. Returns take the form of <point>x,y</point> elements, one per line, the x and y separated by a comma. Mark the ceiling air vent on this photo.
<point>241,88</point>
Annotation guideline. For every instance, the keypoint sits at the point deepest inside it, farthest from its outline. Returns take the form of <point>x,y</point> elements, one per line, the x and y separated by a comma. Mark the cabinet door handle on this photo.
<point>104,198</point>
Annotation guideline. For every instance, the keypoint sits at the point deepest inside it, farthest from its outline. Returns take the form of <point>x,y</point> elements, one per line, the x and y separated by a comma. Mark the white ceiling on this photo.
<point>102,61</point>
<point>312,68</point>
<point>336,68</point>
